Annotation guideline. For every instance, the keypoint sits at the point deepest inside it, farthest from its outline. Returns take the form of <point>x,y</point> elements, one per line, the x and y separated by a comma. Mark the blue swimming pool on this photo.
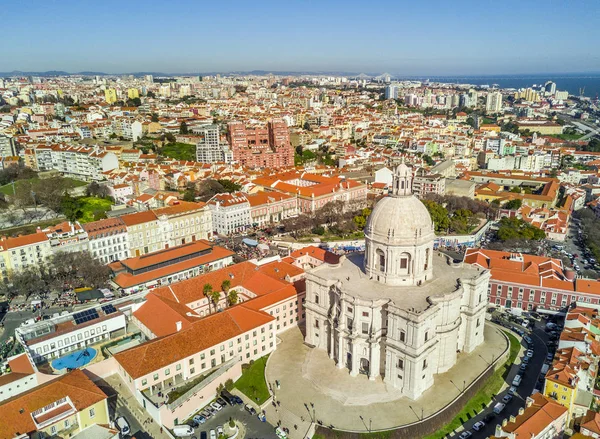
<point>75,359</point>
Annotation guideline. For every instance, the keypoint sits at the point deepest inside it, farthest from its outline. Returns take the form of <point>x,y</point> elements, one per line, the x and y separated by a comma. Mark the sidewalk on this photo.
<point>126,399</point>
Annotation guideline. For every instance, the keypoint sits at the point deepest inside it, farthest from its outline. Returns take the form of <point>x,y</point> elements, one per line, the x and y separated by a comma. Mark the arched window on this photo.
<point>426,258</point>
<point>381,259</point>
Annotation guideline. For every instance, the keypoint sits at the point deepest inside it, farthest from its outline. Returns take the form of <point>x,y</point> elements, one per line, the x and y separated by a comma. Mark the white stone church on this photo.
<point>402,312</point>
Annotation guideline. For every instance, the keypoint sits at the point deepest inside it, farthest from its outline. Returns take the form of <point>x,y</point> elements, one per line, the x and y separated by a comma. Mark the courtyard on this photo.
<point>312,388</point>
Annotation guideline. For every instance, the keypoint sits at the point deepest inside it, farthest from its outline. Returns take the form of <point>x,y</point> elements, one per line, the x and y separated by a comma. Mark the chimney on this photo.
<point>178,326</point>
<point>528,402</point>
<point>504,422</point>
<point>521,410</point>
<point>512,419</point>
<point>498,431</point>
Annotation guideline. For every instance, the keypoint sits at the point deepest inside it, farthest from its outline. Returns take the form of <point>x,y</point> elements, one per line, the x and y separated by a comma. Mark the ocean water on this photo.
<point>570,82</point>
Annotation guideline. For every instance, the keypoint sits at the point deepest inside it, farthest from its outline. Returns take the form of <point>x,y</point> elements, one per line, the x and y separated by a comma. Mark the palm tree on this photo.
<point>215,296</point>
<point>225,285</point>
<point>207,289</point>
<point>232,298</point>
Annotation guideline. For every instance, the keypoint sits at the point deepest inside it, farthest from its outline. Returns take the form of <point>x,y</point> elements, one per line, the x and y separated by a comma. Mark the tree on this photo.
<point>183,128</point>
<point>225,286</point>
<point>515,228</point>
<point>207,290</point>
<point>70,207</point>
<point>97,190</point>
<point>232,298</point>
<point>229,186</point>
<point>428,160</point>
<point>154,117</point>
<point>215,296</point>
<point>514,204</point>
<point>439,215</point>
<point>189,194</point>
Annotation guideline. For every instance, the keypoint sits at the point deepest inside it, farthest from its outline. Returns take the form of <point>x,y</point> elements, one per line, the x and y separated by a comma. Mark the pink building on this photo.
<point>262,147</point>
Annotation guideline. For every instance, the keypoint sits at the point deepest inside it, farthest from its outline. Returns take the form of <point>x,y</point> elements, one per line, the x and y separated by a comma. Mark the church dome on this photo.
<point>400,221</point>
<point>400,218</point>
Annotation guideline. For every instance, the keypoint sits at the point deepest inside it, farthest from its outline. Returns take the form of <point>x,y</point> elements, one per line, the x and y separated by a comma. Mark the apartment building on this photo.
<point>67,237</point>
<point>261,147</point>
<point>271,207</point>
<point>183,222</point>
<point>107,240</point>
<point>230,213</point>
<point>23,251</point>
<point>210,149</point>
<point>144,234</point>
<point>531,282</point>
<point>425,183</point>
<point>541,418</point>
<point>82,162</point>
<point>8,146</point>
<point>314,191</point>
<point>19,377</point>
<point>64,406</point>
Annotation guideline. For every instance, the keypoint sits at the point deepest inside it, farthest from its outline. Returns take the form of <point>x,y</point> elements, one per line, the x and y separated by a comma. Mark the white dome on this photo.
<point>400,221</point>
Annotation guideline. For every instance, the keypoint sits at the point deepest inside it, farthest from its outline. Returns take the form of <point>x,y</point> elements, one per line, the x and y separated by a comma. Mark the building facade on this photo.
<point>261,147</point>
<point>107,240</point>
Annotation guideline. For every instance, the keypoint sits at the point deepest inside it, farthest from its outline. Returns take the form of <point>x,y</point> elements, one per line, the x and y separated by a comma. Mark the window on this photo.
<point>381,259</point>
<point>316,299</point>
<point>400,364</point>
<point>202,356</point>
<point>167,371</point>
<point>402,336</point>
<point>403,263</point>
<point>178,367</point>
<point>53,429</point>
<point>426,335</point>
<point>365,328</point>
<point>155,377</point>
<point>365,314</point>
<point>92,412</point>
<point>212,352</point>
<point>316,323</point>
<point>424,364</point>
<point>191,361</point>
<point>144,382</point>
<point>67,423</point>
<point>192,371</point>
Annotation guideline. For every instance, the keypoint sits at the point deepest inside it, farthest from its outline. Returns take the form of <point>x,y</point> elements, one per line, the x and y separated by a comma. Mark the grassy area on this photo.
<point>93,208</point>
<point>179,151</point>
<point>252,382</point>
<point>177,393</point>
<point>7,189</point>
<point>568,137</point>
<point>485,395</point>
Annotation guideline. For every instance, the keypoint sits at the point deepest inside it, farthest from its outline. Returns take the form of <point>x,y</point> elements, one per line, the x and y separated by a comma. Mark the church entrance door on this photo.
<point>364,366</point>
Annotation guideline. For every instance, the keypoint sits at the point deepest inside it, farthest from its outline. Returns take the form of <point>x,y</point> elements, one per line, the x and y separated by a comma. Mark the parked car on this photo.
<point>517,381</point>
<point>528,339</point>
<point>488,417</point>
<point>507,399</point>
<point>478,425</point>
<point>199,419</point>
<point>213,435</point>
<point>203,435</point>
<point>215,405</point>
<point>529,353</point>
<point>512,390</point>
<point>221,402</point>
<point>183,430</point>
<point>465,435</point>
<point>250,409</point>
<point>262,417</point>
<point>123,425</point>
<point>219,430</point>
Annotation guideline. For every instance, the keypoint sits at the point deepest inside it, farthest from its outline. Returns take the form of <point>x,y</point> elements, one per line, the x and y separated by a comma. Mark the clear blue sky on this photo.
<point>398,36</point>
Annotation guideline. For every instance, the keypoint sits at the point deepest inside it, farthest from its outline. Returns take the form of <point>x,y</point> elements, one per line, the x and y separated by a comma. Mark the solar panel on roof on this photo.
<point>109,309</point>
<point>85,316</point>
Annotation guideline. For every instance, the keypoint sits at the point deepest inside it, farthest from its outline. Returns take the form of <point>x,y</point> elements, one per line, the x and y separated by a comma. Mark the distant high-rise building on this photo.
<point>210,149</point>
<point>262,147</point>
<point>133,93</point>
<point>493,102</point>
<point>149,78</point>
<point>391,92</point>
<point>110,95</point>
<point>561,95</point>
<point>8,147</point>
<point>550,87</point>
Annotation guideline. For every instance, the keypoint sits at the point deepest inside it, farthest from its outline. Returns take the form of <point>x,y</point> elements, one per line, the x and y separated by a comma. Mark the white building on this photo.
<point>83,162</point>
<point>401,312</point>
<point>107,240</point>
<point>8,147</point>
<point>210,149</point>
<point>493,102</point>
<point>230,213</point>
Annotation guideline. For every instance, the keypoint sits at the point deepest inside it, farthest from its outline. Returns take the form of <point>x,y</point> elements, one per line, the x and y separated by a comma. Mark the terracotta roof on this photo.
<point>21,241</point>
<point>15,412</point>
<point>167,254</point>
<point>133,219</point>
<point>170,313</point>
<point>207,332</point>
<point>536,417</point>
<point>179,207</point>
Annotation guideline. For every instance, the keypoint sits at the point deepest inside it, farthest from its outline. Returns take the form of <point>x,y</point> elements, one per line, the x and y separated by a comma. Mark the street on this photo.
<point>254,427</point>
<point>530,379</point>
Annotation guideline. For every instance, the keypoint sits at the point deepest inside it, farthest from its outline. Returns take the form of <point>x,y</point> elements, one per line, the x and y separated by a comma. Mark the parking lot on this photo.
<point>254,427</point>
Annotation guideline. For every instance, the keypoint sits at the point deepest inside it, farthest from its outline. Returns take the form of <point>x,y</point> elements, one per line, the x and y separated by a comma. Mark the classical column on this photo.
<point>355,361</point>
<point>374,357</point>
<point>331,340</point>
<point>340,347</point>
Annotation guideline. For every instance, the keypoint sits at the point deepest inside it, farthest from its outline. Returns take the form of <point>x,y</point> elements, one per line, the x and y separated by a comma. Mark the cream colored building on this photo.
<point>402,312</point>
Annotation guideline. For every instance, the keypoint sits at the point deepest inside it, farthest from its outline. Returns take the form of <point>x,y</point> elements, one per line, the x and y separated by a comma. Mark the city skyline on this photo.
<point>206,38</point>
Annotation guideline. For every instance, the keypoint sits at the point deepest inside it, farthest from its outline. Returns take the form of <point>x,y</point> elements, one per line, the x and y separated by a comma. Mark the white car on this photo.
<point>465,435</point>
<point>219,430</point>
<point>213,435</point>
<point>529,353</point>
<point>512,390</point>
<point>123,425</point>
<point>215,405</point>
<point>478,425</point>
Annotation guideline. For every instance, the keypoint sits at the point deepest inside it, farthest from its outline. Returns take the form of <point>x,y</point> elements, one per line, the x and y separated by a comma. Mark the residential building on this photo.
<point>541,418</point>
<point>8,146</point>
<point>144,233</point>
<point>425,183</point>
<point>82,162</point>
<point>493,102</point>
<point>313,191</point>
<point>261,147</point>
<point>107,240</point>
<point>19,376</point>
<point>67,237</point>
<point>531,282</point>
<point>271,207</point>
<point>61,407</point>
<point>210,149</point>
<point>110,96</point>
<point>230,213</point>
<point>24,251</point>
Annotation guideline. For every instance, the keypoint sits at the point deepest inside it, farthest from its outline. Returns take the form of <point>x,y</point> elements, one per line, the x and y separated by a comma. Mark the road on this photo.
<point>527,386</point>
<point>12,320</point>
<point>254,427</point>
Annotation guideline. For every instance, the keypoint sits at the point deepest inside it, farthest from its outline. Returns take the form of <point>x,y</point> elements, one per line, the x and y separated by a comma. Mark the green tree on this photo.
<point>70,207</point>
<point>207,290</point>
<point>183,128</point>
<point>232,297</point>
<point>215,296</point>
<point>516,228</point>
<point>514,204</point>
<point>225,286</point>
<point>360,221</point>
<point>154,117</point>
<point>428,160</point>
<point>439,215</point>
<point>229,186</point>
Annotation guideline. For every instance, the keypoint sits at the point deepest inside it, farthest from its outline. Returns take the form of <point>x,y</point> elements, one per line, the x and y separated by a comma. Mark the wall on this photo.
<point>102,369</point>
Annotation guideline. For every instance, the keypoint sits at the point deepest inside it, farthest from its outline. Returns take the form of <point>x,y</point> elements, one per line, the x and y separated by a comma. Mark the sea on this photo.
<point>574,83</point>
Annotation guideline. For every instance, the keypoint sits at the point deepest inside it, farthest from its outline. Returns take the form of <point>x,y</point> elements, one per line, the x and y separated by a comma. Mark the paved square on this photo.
<point>312,387</point>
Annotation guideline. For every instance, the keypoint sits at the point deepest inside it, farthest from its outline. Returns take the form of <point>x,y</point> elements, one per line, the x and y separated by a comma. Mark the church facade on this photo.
<point>400,312</point>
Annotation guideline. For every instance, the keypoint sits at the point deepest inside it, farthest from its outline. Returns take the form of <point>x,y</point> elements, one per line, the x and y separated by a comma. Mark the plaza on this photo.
<point>313,389</point>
